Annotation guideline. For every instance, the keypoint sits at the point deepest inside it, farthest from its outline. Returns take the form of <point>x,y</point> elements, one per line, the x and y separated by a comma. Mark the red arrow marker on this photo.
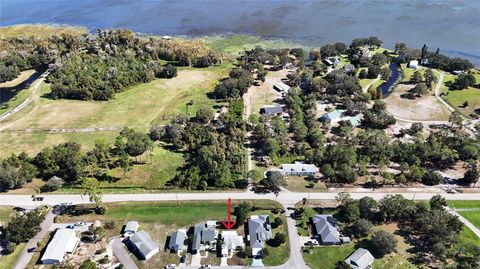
<point>230,224</point>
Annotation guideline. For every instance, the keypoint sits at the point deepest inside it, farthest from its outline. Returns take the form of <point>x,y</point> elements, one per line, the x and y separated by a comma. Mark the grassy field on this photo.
<point>303,184</point>
<point>13,83</point>
<point>464,203</point>
<point>162,218</point>
<point>20,96</point>
<point>39,30</point>
<point>457,98</point>
<point>5,214</point>
<point>327,257</point>
<point>9,261</point>
<point>472,216</point>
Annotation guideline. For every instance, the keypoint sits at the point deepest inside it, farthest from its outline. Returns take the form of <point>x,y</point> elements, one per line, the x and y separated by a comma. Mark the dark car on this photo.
<point>182,259</point>
<point>39,198</point>
<point>31,249</point>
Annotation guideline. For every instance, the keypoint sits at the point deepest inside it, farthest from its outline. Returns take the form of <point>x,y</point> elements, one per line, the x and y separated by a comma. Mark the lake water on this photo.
<point>453,26</point>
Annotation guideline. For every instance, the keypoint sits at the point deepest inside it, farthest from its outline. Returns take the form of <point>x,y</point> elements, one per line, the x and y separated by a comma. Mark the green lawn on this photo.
<point>464,203</point>
<point>467,237</point>
<point>458,98</point>
<point>472,216</point>
<point>9,261</point>
<point>20,96</point>
<point>5,214</point>
<point>327,257</point>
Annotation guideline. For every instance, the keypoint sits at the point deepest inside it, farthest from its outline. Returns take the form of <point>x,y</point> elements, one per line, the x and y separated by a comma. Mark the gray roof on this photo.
<point>326,228</point>
<point>273,109</point>
<point>360,259</point>
<point>131,226</point>
<point>176,240</point>
<point>259,230</point>
<point>333,115</point>
<point>144,243</point>
<point>282,87</point>
<point>64,241</point>
<point>202,233</point>
<point>299,167</point>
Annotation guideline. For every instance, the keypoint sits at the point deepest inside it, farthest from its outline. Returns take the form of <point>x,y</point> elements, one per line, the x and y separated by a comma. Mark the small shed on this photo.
<point>131,227</point>
<point>413,64</point>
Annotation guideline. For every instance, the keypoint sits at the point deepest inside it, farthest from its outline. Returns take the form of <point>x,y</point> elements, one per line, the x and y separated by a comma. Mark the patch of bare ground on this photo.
<point>264,94</point>
<point>425,108</point>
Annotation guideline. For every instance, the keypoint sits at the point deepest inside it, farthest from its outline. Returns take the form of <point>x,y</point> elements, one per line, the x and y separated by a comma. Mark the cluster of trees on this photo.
<point>235,85</point>
<point>66,163</point>
<point>371,41</point>
<point>463,81</point>
<point>433,230</point>
<point>377,117</point>
<point>434,59</point>
<point>22,227</point>
<point>214,150</point>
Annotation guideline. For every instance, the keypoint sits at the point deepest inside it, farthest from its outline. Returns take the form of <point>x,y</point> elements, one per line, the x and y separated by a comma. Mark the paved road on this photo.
<point>122,254</point>
<point>26,256</point>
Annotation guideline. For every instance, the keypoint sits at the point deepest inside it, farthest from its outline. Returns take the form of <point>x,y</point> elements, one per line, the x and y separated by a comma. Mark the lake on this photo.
<point>452,26</point>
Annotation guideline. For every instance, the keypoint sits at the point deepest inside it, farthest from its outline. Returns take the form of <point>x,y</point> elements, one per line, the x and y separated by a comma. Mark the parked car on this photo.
<point>171,266</point>
<point>39,198</point>
<point>80,223</point>
<point>183,259</point>
<point>71,226</point>
<point>32,249</point>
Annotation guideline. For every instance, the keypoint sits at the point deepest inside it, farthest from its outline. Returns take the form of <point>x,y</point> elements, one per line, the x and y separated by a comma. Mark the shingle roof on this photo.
<point>143,242</point>
<point>360,259</point>
<point>177,239</point>
<point>273,109</point>
<point>326,228</point>
<point>333,115</point>
<point>259,230</point>
<point>282,87</point>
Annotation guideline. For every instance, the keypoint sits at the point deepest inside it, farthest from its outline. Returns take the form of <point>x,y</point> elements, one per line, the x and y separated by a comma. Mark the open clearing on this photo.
<point>264,94</point>
<point>425,108</point>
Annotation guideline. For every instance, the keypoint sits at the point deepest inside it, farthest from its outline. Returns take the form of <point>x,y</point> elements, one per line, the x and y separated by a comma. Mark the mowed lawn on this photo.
<point>327,257</point>
<point>472,216</point>
<point>138,107</point>
<point>458,98</point>
<point>8,261</point>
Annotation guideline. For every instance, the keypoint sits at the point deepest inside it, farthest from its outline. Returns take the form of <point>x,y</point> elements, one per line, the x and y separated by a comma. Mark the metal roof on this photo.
<point>299,167</point>
<point>64,241</point>
<point>131,226</point>
<point>360,259</point>
<point>144,243</point>
<point>177,239</point>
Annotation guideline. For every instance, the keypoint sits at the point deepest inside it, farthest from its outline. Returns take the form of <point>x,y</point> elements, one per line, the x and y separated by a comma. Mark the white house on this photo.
<point>360,259</point>
<point>64,242</point>
<point>231,241</point>
<point>130,228</point>
<point>413,64</point>
<point>299,169</point>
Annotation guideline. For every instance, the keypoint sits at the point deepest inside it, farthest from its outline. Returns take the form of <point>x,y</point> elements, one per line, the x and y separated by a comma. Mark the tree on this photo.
<point>472,174</point>
<point>204,115</point>
<point>361,227</point>
<point>367,206</point>
<point>342,265</point>
<point>416,77</point>
<point>278,221</point>
<point>88,264</point>
<point>91,187</point>
<point>420,88</point>
<point>463,81</point>
<point>241,212</point>
<point>362,74</point>
<point>383,242</point>
<point>437,202</point>
<point>429,77</point>
<point>385,73</point>
<point>373,71</point>
<point>274,181</point>
<point>456,118</point>
<point>53,184</point>
<point>23,227</point>
<point>350,211</point>
<point>279,239</point>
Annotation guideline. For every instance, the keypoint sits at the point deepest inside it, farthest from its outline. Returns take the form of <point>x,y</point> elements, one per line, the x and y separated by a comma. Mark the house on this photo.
<point>231,242</point>
<point>326,230</point>
<point>331,61</point>
<point>130,228</point>
<point>259,231</point>
<point>349,68</point>
<point>413,64</point>
<point>281,87</point>
<point>177,239</point>
<point>64,242</point>
<point>360,259</point>
<point>203,233</point>
<point>299,169</point>
<point>272,110</point>
<point>365,53</point>
<point>141,244</point>
<point>333,116</point>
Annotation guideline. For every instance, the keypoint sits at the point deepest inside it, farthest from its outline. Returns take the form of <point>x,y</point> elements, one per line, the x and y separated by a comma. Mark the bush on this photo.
<point>100,251</point>
<point>101,210</point>
<point>53,184</point>
<point>383,243</point>
<point>109,224</point>
<point>431,178</point>
<point>10,248</point>
<point>278,222</point>
<point>88,264</point>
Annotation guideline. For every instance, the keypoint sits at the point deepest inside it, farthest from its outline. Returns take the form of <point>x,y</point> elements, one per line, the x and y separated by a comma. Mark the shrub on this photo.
<point>53,184</point>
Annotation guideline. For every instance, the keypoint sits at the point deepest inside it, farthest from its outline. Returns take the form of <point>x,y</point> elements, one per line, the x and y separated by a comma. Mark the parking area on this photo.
<point>78,226</point>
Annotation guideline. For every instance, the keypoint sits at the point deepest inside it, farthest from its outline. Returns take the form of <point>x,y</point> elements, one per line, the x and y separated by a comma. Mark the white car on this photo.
<point>171,266</point>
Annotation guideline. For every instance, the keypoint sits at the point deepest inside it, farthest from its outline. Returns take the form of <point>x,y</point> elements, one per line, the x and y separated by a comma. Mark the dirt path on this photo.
<point>437,92</point>
<point>365,88</point>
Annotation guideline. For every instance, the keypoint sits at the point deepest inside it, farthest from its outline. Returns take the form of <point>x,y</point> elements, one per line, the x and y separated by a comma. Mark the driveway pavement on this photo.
<point>122,254</point>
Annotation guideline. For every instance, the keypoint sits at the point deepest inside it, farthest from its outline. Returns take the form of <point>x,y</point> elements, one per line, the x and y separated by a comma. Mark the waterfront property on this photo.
<point>299,169</point>
<point>360,259</point>
<point>259,231</point>
<point>142,245</point>
<point>326,229</point>
<point>64,242</point>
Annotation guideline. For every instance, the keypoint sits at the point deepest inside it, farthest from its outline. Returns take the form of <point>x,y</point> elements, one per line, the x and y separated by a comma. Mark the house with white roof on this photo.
<point>413,64</point>
<point>360,259</point>
<point>131,227</point>
<point>299,169</point>
<point>281,87</point>
<point>231,242</point>
<point>141,244</point>
<point>64,242</point>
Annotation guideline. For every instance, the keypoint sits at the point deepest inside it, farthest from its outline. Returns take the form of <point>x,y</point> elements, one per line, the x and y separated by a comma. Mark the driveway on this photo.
<point>26,256</point>
<point>122,254</point>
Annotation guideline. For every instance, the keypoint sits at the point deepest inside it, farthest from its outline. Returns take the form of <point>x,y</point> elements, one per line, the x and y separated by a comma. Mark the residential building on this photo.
<point>131,227</point>
<point>142,245</point>
<point>349,68</point>
<point>64,242</point>
<point>231,242</point>
<point>203,233</point>
<point>413,64</point>
<point>299,169</point>
<point>281,87</point>
<point>272,110</point>
<point>360,259</point>
<point>355,120</point>
<point>326,229</point>
<point>332,61</point>
<point>259,231</point>
<point>333,116</point>
<point>177,239</point>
